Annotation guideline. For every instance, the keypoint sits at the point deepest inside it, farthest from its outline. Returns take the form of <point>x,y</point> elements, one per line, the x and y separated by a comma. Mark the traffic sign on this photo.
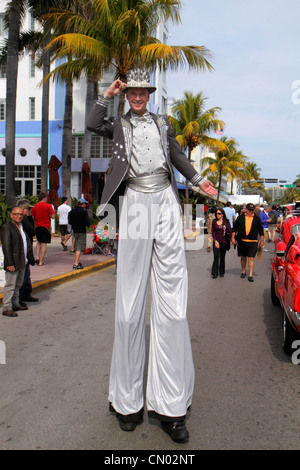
<point>289,186</point>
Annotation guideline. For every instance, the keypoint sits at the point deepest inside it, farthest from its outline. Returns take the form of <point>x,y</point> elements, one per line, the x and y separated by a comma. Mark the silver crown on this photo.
<point>139,78</point>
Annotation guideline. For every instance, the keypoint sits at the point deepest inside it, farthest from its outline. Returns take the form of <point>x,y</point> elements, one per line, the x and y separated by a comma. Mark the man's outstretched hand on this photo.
<point>208,188</point>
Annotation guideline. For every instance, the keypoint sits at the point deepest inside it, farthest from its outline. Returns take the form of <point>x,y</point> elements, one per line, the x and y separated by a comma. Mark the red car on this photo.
<point>290,226</point>
<point>285,289</point>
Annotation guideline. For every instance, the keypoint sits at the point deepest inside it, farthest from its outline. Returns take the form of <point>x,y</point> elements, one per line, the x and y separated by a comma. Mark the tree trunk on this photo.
<point>11,96</point>
<point>67,142</point>
<point>219,186</point>
<point>187,199</point>
<point>45,119</point>
<point>89,103</point>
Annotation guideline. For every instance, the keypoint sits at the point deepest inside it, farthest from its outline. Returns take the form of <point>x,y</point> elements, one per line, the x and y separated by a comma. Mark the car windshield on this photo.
<point>295,229</point>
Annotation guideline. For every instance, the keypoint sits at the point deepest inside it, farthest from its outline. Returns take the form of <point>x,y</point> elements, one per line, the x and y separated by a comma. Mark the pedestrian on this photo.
<point>17,249</point>
<point>230,213</point>
<point>25,293</point>
<point>78,218</point>
<point>265,219</point>
<point>42,213</point>
<point>246,229</point>
<point>210,217</point>
<point>273,215</point>
<point>62,213</point>
<point>221,234</point>
<point>144,150</point>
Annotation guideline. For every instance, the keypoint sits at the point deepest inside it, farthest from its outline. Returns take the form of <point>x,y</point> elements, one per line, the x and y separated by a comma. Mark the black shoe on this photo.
<point>128,423</point>
<point>30,299</point>
<point>22,304</point>
<point>243,275</point>
<point>128,427</point>
<point>21,307</point>
<point>214,276</point>
<point>222,275</point>
<point>251,278</point>
<point>77,266</point>
<point>176,430</point>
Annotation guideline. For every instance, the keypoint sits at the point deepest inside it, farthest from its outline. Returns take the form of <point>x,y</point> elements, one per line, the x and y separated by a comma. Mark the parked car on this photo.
<point>289,227</point>
<point>285,289</point>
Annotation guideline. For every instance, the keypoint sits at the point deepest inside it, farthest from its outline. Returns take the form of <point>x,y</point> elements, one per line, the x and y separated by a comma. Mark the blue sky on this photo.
<point>256,49</point>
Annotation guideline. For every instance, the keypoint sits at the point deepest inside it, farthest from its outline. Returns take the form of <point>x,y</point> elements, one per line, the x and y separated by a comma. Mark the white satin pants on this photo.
<point>151,241</point>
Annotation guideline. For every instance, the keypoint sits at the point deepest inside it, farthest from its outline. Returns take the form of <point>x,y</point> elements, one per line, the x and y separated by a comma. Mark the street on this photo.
<point>55,381</point>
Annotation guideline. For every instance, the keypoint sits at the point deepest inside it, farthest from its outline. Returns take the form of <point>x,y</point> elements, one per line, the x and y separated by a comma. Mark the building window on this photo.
<point>32,109</point>
<point>28,180</point>
<point>2,180</point>
<point>100,148</point>
<point>3,31</point>
<point>77,141</point>
<point>23,152</point>
<point>31,66</point>
<point>2,109</point>
<point>96,147</point>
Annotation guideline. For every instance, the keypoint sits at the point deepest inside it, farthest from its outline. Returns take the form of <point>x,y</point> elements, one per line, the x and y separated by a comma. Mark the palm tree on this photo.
<point>224,163</point>
<point>121,33</point>
<point>15,11</point>
<point>193,123</point>
<point>252,176</point>
<point>237,172</point>
<point>10,55</point>
<point>39,8</point>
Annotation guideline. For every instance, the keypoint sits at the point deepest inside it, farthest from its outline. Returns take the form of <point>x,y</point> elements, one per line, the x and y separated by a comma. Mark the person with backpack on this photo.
<point>273,215</point>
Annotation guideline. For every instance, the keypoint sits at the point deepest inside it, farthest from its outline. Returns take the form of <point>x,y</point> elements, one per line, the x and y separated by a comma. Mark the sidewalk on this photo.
<point>59,264</point>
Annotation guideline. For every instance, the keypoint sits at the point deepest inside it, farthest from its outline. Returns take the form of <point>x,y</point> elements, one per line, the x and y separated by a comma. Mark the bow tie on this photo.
<point>136,120</point>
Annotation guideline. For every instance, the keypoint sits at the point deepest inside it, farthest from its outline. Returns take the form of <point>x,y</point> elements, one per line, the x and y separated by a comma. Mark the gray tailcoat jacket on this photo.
<point>120,130</point>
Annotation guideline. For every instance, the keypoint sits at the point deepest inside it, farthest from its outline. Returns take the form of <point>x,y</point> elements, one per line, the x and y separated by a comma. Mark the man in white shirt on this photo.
<point>17,250</point>
<point>230,213</point>
<point>62,212</point>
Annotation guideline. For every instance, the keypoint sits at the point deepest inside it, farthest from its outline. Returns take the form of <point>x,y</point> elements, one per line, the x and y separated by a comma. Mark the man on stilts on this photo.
<point>144,150</point>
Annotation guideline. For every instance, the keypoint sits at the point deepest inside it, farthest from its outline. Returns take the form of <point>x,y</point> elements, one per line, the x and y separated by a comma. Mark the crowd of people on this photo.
<point>248,227</point>
<point>27,221</point>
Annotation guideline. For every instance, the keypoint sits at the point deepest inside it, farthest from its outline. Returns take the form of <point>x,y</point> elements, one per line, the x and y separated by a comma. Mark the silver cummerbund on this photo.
<point>150,183</point>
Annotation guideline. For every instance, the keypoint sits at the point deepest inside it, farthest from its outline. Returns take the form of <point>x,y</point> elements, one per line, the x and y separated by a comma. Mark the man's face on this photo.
<point>250,212</point>
<point>138,99</point>
<point>17,215</point>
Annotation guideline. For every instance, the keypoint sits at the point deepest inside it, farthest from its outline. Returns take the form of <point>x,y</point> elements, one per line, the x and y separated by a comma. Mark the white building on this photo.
<point>29,123</point>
